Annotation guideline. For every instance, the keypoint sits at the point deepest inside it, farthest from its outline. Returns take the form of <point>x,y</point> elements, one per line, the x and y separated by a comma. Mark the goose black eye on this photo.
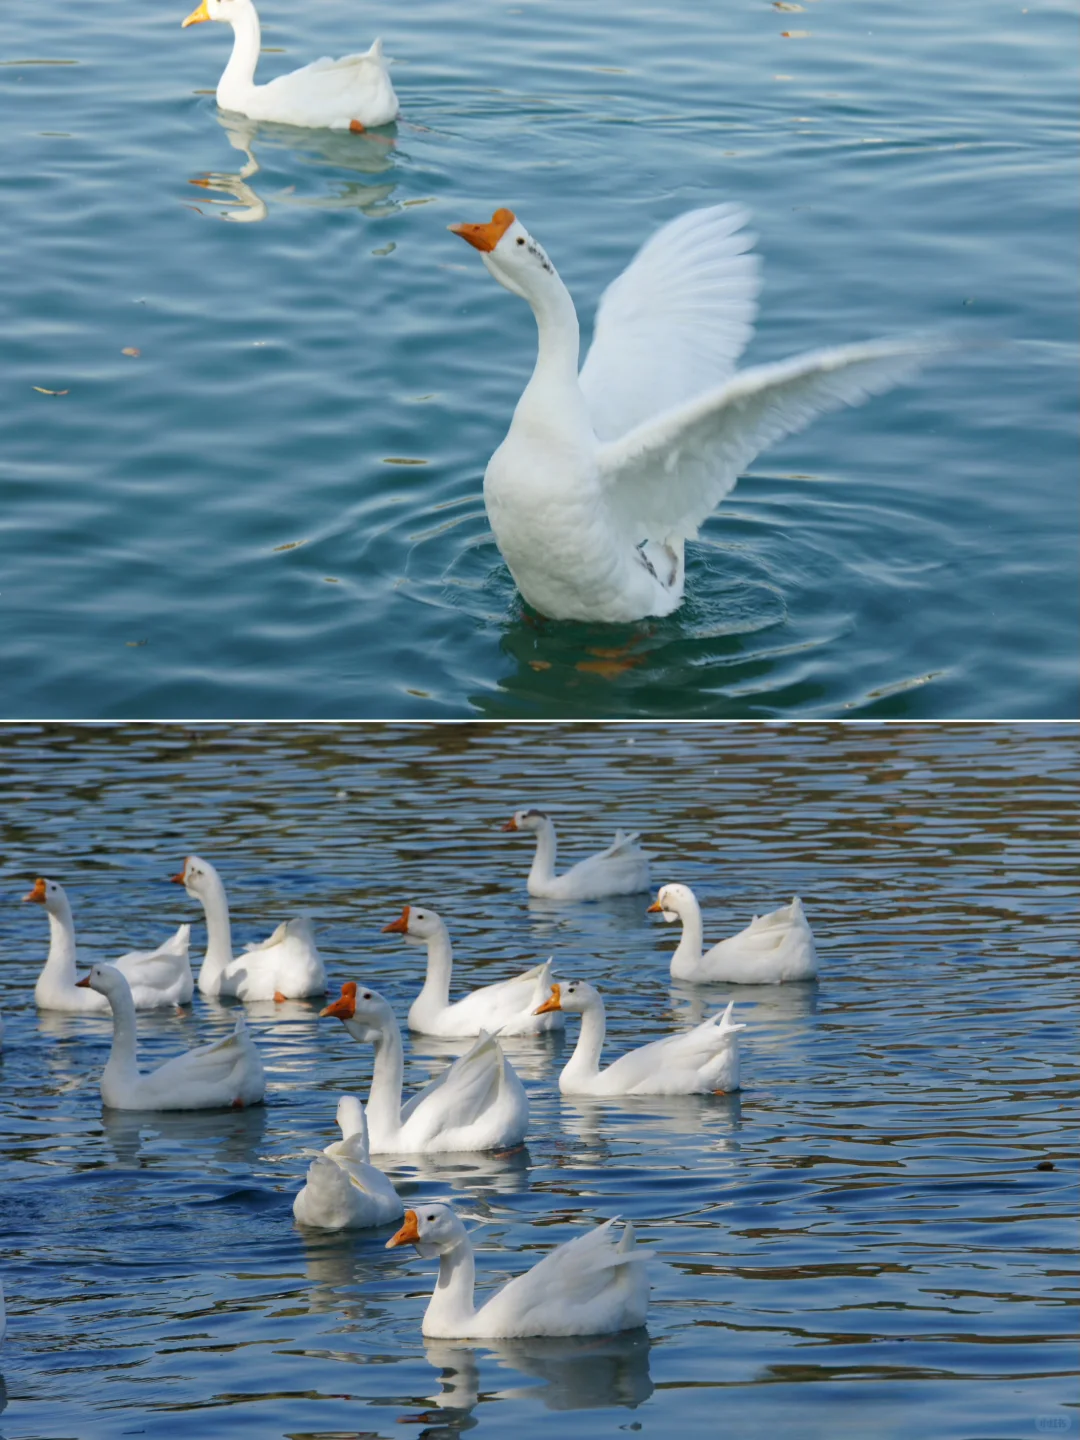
<point>431,1217</point>
<point>367,994</point>
<point>521,240</point>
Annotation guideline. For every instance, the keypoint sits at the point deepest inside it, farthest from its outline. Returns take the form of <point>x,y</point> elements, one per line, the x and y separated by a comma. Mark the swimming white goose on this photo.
<point>476,1103</point>
<point>506,1007</point>
<point>604,476</point>
<point>696,1062</point>
<point>225,1073</point>
<point>592,1285</point>
<point>285,966</point>
<point>773,948</point>
<point>353,93</point>
<point>156,977</point>
<point>621,869</point>
<point>344,1191</point>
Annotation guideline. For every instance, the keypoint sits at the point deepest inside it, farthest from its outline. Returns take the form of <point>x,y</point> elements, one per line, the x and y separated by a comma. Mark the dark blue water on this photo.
<point>860,1243</point>
<point>275,508</point>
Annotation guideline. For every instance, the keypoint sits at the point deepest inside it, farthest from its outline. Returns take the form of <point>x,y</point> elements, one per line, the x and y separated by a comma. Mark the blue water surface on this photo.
<point>275,508</point>
<point>876,1237</point>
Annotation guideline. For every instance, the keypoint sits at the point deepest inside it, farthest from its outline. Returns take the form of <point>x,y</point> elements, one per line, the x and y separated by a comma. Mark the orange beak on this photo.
<point>38,892</point>
<point>345,1008</point>
<point>553,1002</point>
<point>84,983</point>
<point>196,17</point>
<point>511,824</point>
<point>486,237</point>
<point>408,1234</point>
<point>179,879</point>
<point>655,908</point>
<point>400,926</point>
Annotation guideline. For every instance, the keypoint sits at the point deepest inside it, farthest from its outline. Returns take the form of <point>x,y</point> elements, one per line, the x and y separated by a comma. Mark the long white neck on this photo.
<point>60,964</point>
<point>450,1308</point>
<point>238,78</point>
<point>440,963</point>
<point>384,1101</point>
<point>122,1067</point>
<point>686,958</point>
<point>219,952</point>
<point>543,865</point>
<point>554,382</point>
<point>584,1063</point>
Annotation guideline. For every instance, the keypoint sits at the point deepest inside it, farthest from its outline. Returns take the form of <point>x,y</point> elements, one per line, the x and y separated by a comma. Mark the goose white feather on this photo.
<point>227,1072</point>
<point>621,869</point>
<point>344,1191</point>
<point>476,1103</point>
<point>697,1062</point>
<point>353,93</point>
<point>592,1285</point>
<point>507,1006</point>
<point>772,949</point>
<point>156,977</point>
<point>604,476</point>
<point>284,966</point>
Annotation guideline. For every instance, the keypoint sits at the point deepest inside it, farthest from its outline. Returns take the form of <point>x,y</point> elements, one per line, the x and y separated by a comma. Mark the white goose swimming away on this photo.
<point>343,1190</point>
<point>621,869</point>
<point>773,948</point>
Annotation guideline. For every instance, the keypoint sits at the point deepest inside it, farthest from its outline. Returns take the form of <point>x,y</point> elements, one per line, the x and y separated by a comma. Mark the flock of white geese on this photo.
<point>608,470</point>
<point>594,1284</point>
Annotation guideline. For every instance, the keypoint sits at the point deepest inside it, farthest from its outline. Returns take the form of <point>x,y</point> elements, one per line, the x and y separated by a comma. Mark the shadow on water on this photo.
<point>231,1137</point>
<point>370,154</point>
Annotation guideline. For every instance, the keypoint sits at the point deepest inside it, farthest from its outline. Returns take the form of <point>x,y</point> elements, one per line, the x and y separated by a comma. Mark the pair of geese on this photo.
<point>606,472</point>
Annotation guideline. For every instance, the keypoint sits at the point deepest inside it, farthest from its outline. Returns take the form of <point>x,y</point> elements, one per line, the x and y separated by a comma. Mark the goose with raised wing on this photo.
<point>595,1284</point>
<point>772,949</point>
<point>507,1006</point>
<point>353,93</point>
<point>344,1191</point>
<point>476,1103</point>
<point>605,474</point>
<point>226,1073</point>
<point>156,978</point>
<point>285,966</point>
<point>621,869</point>
<point>700,1061</point>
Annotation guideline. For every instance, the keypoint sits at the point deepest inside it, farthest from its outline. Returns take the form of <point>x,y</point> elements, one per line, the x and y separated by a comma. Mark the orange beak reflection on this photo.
<point>345,1008</point>
<point>486,237</point>
<point>400,926</point>
<point>38,892</point>
<point>553,1002</point>
<point>408,1234</point>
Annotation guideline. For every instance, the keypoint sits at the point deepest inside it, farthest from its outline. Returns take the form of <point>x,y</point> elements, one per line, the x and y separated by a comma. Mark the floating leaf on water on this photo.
<point>401,460</point>
<point>136,644</point>
<point>794,34</point>
<point>785,5</point>
<point>386,249</point>
<point>132,350</point>
<point>42,391</point>
<point>539,664</point>
<point>331,580</point>
<point>291,545</point>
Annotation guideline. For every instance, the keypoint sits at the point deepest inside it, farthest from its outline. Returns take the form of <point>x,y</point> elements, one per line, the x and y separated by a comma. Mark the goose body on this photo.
<point>505,1007</point>
<point>772,949</point>
<point>701,1061</point>
<point>604,475</point>
<point>595,1284</point>
<point>285,966</point>
<point>352,93</point>
<point>621,869</point>
<point>476,1103</point>
<point>225,1073</point>
<point>156,978</point>
<point>344,1191</point>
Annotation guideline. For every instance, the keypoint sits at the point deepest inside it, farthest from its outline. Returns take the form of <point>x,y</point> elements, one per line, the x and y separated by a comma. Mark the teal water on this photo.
<point>875,1238</point>
<point>275,508</point>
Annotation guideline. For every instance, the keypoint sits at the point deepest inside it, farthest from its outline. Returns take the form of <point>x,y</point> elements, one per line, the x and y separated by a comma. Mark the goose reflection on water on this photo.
<point>220,1137</point>
<point>371,153</point>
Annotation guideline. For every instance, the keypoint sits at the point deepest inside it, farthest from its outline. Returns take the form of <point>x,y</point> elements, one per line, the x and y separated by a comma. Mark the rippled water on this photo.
<point>275,509</point>
<point>861,1242</point>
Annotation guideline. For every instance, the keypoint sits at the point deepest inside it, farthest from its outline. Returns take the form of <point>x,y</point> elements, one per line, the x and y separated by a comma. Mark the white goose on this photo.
<point>605,475</point>
<point>344,1191</point>
<point>476,1103</point>
<point>621,869</point>
<point>353,93</point>
<point>697,1062</point>
<point>285,966</point>
<point>592,1285</point>
<point>156,977</point>
<point>773,948</point>
<point>225,1073</point>
<point>506,1007</point>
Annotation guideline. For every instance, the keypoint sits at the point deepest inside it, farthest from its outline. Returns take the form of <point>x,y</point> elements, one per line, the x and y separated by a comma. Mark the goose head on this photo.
<point>516,260</point>
<point>197,877</point>
<point>533,820</point>
<point>350,1116</point>
<point>227,11</point>
<point>674,902</point>
<point>106,980</point>
<point>416,926</point>
<point>50,894</point>
<point>363,1012</point>
<point>432,1228</point>
<point>572,996</point>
